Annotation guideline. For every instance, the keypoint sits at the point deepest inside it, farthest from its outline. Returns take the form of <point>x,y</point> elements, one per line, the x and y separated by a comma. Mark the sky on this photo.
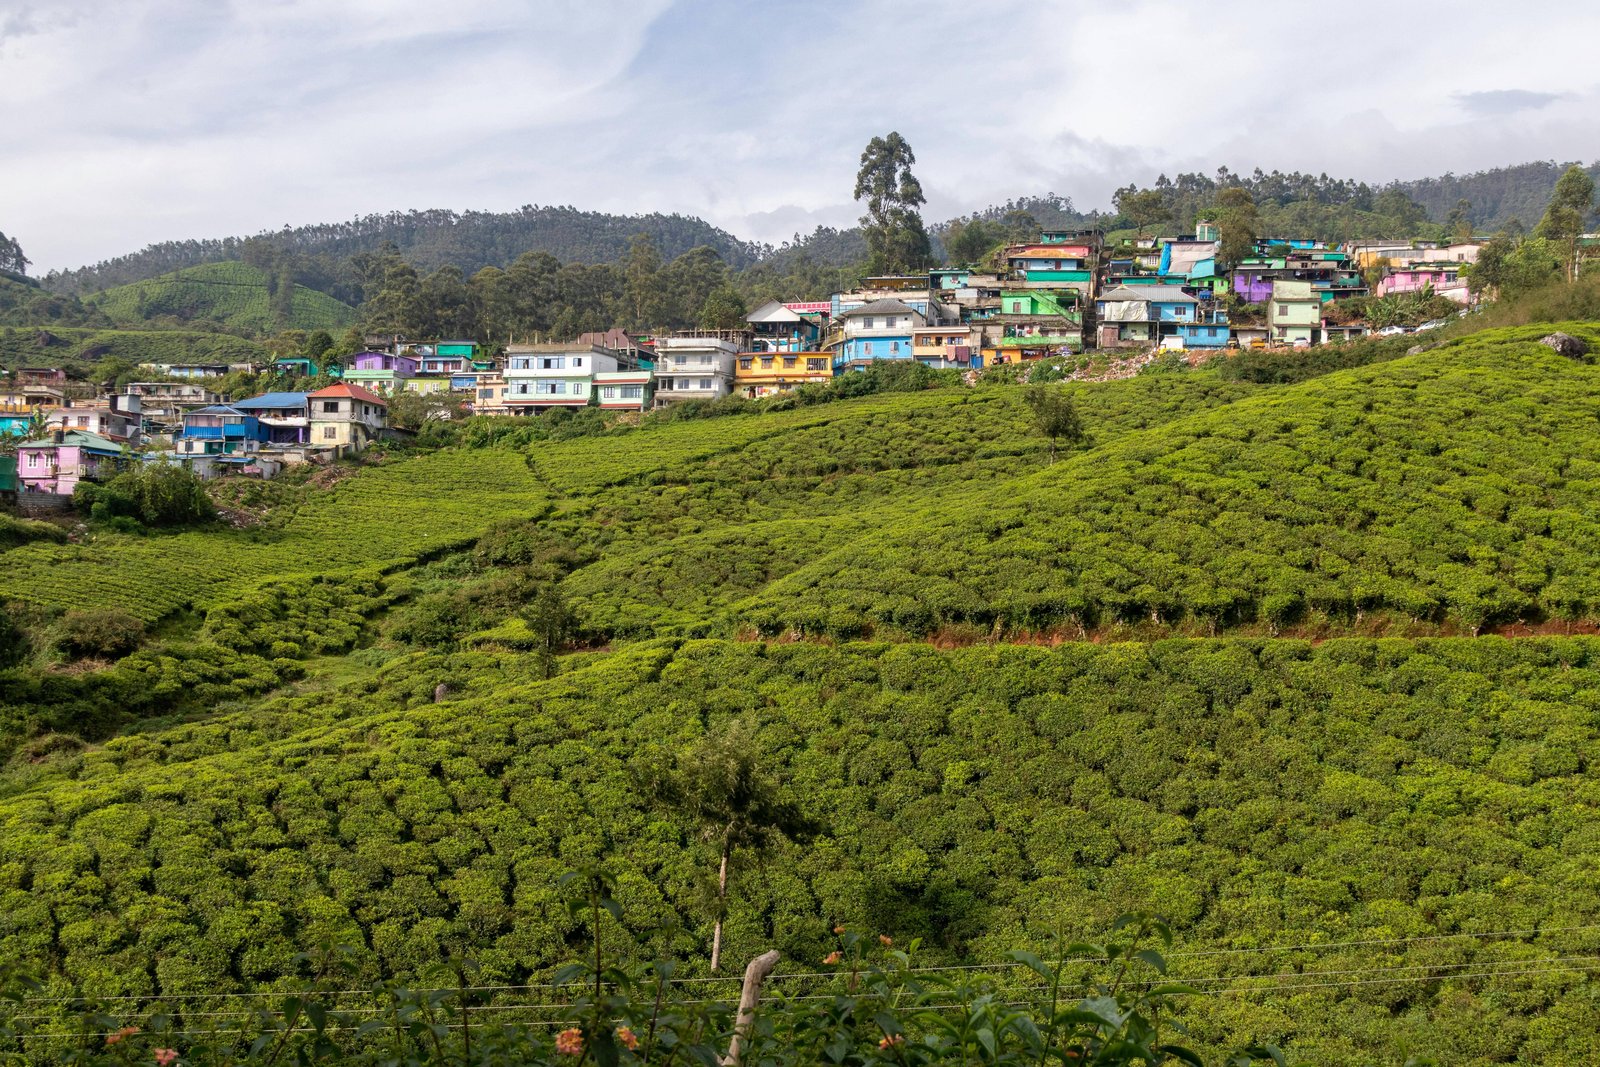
<point>127,122</point>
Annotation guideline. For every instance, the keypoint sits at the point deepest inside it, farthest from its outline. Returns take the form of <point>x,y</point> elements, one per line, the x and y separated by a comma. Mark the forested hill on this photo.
<point>429,239</point>
<point>1496,196</point>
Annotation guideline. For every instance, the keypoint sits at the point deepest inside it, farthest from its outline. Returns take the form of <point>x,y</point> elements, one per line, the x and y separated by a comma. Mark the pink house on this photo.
<point>56,464</point>
<point>1445,280</point>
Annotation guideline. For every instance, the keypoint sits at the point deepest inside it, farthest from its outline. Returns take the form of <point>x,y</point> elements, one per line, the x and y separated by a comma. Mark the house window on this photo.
<point>746,364</point>
<point>789,361</point>
<point>551,387</point>
<point>553,363</point>
<point>816,364</point>
<point>577,361</point>
<point>632,392</point>
<point>485,394</point>
<point>331,406</point>
<point>894,348</point>
<point>708,383</point>
<point>867,323</point>
<point>608,392</point>
<point>1283,309</point>
<point>766,362</point>
<point>329,433</point>
<point>33,459</point>
<point>1283,331</point>
<point>868,348</point>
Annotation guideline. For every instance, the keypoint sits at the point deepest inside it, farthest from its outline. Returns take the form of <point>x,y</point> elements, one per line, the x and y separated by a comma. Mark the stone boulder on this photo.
<point>1565,344</point>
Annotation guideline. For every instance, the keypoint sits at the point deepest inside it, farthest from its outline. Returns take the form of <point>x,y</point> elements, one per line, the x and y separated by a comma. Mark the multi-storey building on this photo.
<point>757,374</point>
<point>695,367</point>
<point>545,376</point>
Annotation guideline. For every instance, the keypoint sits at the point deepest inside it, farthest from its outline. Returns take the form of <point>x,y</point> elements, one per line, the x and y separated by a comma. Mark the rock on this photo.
<point>442,692</point>
<point>1415,349</point>
<point>1565,344</point>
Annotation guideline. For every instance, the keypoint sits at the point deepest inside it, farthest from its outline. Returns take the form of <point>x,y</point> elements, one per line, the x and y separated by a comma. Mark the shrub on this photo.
<point>104,633</point>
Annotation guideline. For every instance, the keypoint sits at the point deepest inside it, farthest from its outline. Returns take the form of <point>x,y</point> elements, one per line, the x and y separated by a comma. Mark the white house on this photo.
<point>693,368</point>
<point>541,377</point>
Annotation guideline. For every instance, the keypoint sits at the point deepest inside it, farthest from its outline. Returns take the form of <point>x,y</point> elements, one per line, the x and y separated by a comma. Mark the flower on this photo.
<point>886,939</point>
<point>832,957</point>
<point>569,1042</point>
<point>126,1031</point>
<point>838,929</point>
<point>165,1056</point>
<point>889,1041</point>
<point>628,1039</point>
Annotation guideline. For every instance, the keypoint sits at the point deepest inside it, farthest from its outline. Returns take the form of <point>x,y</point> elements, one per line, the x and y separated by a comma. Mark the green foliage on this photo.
<point>78,349</point>
<point>233,294</point>
<point>159,495</point>
<point>14,532</point>
<point>104,633</point>
<point>1055,416</point>
<point>1262,795</point>
<point>897,243</point>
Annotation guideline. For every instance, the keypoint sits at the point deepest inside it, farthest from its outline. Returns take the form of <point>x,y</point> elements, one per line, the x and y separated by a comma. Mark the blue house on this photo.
<point>219,430</point>
<point>286,417</point>
<point>879,330</point>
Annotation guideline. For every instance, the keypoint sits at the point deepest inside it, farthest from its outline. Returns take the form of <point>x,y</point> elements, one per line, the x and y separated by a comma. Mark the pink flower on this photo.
<point>569,1042</point>
<point>628,1039</point>
<point>832,957</point>
<point>890,1041</point>
<point>166,1056</point>
<point>126,1031</point>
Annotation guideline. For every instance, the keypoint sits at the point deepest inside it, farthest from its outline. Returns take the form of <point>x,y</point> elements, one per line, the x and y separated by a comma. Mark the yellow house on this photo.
<point>345,418</point>
<point>767,373</point>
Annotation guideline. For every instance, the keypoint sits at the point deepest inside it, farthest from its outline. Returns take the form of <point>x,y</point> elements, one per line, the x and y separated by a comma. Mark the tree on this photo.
<point>723,310</point>
<point>550,623</point>
<point>11,258</point>
<point>1571,205</point>
<point>896,240</point>
<point>1237,222</point>
<point>1459,222</point>
<point>641,274</point>
<point>735,804</point>
<point>1054,415</point>
<point>968,241</point>
<point>1144,207</point>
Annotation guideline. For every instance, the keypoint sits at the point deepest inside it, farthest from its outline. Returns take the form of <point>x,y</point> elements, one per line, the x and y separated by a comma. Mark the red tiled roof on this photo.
<point>354,392</point>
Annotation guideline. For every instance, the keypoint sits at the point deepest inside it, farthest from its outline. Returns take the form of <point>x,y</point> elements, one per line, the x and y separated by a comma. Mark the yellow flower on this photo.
<point>628,1039</point>
<point>569,1042</point>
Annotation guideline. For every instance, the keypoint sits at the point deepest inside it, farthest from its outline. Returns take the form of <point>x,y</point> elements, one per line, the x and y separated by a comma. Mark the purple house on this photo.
<point>381,371</point>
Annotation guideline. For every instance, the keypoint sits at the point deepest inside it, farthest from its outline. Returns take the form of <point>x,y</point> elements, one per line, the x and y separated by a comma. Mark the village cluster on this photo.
<point>1064,293</point>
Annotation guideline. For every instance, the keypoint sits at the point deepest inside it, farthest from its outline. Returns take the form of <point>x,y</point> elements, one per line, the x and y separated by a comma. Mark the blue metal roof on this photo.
<point>273,400</point>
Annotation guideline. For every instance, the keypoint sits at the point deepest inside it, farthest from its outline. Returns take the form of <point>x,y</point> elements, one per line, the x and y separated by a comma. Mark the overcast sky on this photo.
<point>132,121</point>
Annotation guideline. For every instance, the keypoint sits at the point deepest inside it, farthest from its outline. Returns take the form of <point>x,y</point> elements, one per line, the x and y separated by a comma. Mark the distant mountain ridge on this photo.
<point>472,240</point>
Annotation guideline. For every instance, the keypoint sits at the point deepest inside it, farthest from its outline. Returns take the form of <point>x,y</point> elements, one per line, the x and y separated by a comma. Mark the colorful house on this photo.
<point>947,346</point>
<point>381,372</point>
<point>1133,315</point>
<point>624,390</point>
<point>881,329</point>
<point>283,415</point>
<point>1040,322</point>
<point>1294,313</point>
<point>446,357</point>
<point>1444,279</point>
<point>758,373</point>
<point>776,327</point>
<point>541,377</point>
<point>346,417</point>
<point>219,430</point>
<point>119,418</point>
<point>57,463</point>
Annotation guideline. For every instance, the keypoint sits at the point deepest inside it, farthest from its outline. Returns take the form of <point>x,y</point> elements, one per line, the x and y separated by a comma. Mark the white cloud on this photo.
<point>168,119</point>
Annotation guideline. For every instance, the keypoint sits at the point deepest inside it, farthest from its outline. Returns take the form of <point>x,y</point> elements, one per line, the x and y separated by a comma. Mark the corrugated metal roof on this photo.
<point>882,307</point>
<point>273,400</point>
<point>1161,294</point>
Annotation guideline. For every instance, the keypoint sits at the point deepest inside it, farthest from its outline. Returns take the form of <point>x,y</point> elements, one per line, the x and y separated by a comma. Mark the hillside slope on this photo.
<point>1453,486</point>
<point>53,346</point>
<point>1258,794</point>
<point>232,294</point>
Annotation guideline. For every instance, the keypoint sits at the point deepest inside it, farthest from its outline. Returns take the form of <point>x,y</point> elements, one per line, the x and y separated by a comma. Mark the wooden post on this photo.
<point>749,998</point>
